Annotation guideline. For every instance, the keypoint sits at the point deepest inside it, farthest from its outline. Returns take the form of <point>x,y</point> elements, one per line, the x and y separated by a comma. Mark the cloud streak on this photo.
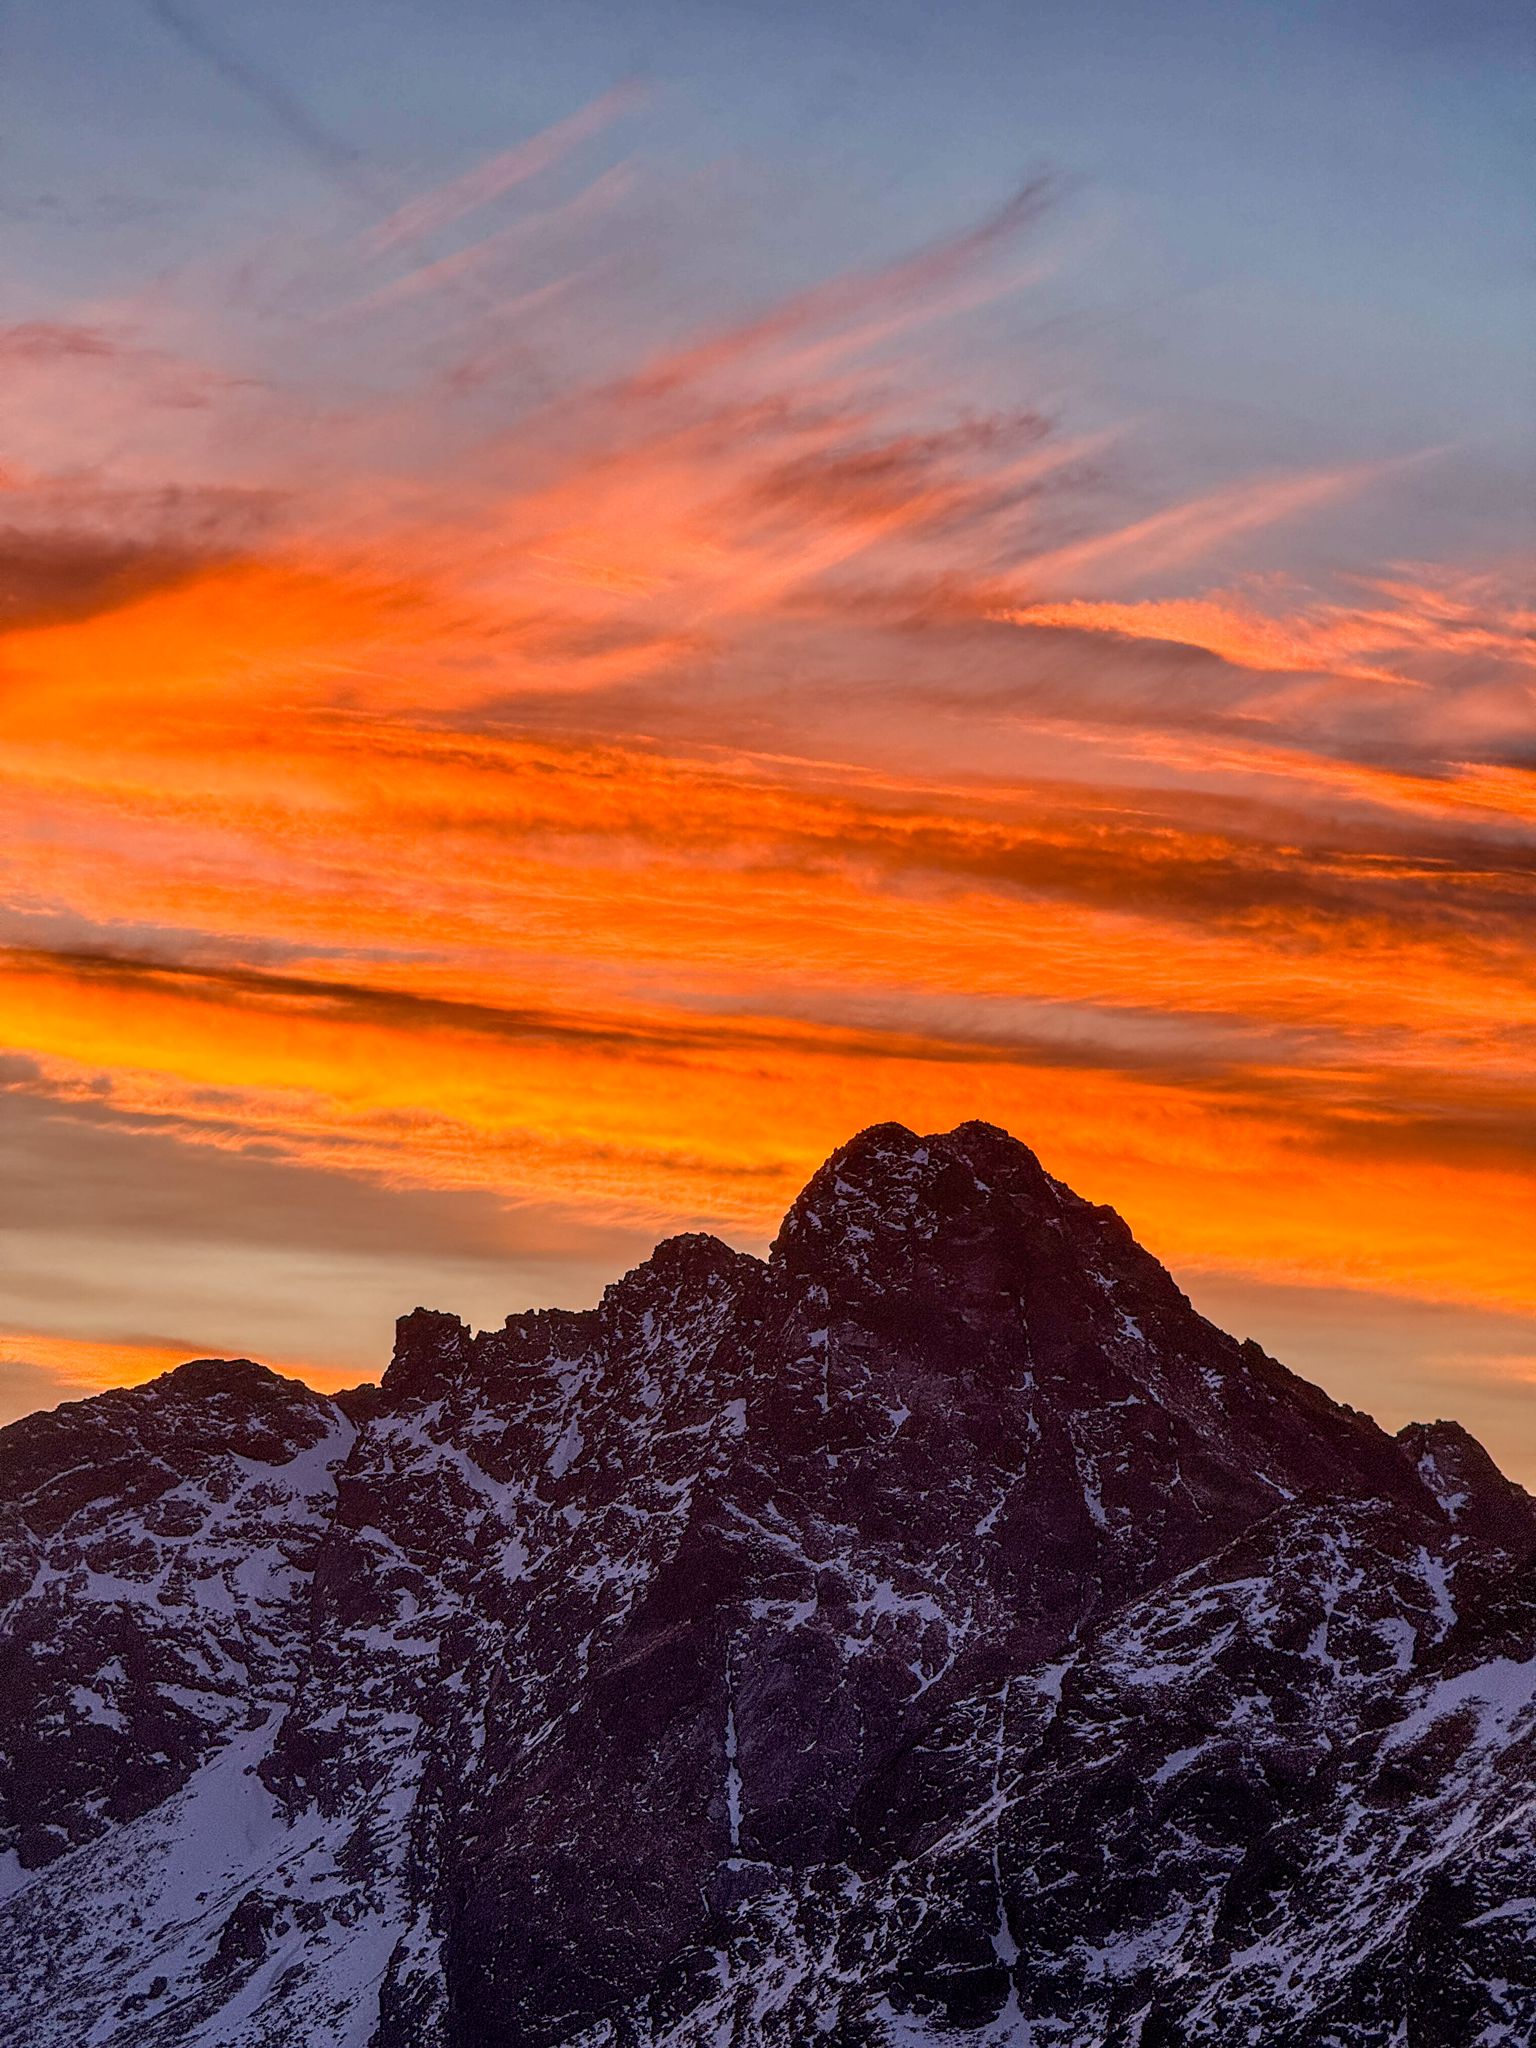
<point>430,212</point>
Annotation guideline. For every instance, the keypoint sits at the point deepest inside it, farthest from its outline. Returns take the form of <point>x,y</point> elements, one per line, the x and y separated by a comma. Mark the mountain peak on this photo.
<point>885,1158</point>
<point>431,1350</point>
<point>1464,1480</point>
<point>936,1631</point>
<point>888,1182</point>
<point>690,1259</point>
<point>965,1227</point>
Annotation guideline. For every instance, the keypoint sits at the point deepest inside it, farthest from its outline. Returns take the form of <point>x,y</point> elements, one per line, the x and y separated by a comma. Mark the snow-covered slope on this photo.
<point>935,1633</point>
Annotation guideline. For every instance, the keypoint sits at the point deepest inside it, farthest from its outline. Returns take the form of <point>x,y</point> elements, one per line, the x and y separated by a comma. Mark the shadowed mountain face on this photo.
<point>937,1633</point>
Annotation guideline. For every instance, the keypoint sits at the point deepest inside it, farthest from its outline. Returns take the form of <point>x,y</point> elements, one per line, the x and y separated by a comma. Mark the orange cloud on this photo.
<point>614,801</point>
<point>1417,616</point>
<point>1239,634</point>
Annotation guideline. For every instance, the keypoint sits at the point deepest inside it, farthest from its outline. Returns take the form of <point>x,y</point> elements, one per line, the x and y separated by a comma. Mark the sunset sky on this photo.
<point>595,596</point>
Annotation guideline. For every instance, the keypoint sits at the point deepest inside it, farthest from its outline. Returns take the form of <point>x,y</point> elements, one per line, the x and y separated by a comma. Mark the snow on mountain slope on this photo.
<point>937,1632</point>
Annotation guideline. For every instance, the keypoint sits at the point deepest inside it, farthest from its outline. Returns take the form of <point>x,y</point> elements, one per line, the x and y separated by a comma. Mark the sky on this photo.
<point>594,597</point>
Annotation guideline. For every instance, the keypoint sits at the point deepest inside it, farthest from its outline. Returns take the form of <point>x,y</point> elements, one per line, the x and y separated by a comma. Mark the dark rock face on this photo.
<point>938,1632</point>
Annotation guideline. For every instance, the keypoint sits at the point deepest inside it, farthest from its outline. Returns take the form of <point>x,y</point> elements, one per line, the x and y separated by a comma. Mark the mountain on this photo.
<point>937,1633</point>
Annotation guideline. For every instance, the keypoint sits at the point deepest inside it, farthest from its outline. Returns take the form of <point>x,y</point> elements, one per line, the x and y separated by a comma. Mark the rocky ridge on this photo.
<point>935,1633</point>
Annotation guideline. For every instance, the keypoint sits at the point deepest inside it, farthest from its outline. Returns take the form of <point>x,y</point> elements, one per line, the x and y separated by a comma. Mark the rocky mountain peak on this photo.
<point>432,1351</point>
<point>687,1277</point>
<point>1470,1489</point>
<point>967,1227</point>
<point>937,1632</point>
<point>888,1191</point>
<point>135,1443</point>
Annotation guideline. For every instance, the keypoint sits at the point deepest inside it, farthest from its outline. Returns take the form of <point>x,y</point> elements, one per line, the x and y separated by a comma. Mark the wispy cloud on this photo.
<point>1179,534</point>
<point>607,797</point>
<point>430,212</point>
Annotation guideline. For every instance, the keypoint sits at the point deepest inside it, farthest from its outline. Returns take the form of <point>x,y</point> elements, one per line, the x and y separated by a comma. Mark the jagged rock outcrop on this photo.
<point>937,1632</point>
<point>156,1548</point>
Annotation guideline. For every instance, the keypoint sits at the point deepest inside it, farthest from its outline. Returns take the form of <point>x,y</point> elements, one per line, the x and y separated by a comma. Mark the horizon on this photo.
<point>592,603</point>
